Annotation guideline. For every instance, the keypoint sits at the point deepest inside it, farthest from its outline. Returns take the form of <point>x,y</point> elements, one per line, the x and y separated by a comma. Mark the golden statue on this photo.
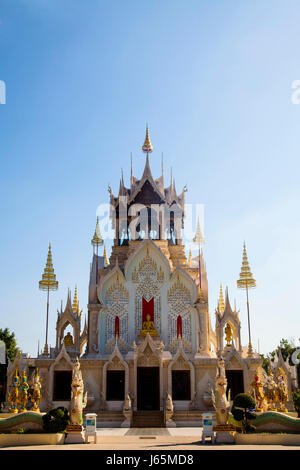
<point>68,340</point>
<point>35,396</point>
<point>23,392</point>
<point>282,395</point>
<point>13,394</point>
<point>148,327</point>
<point>258,392</point>
<point>228,333</point>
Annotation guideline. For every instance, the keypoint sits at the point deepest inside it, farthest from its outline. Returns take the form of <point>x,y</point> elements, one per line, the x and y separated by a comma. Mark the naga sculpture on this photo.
<point>219,399</point>
<point>78,400</point>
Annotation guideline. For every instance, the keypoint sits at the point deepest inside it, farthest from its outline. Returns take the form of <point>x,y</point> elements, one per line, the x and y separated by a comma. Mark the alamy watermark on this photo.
<point>296,357</point>
<point>2,92</point>
<point>155,221</point>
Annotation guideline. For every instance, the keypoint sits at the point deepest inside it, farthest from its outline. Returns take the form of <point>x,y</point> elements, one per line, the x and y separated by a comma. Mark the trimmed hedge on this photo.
<point>56,420</point>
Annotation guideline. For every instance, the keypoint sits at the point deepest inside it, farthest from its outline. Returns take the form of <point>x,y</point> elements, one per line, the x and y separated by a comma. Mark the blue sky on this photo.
<point>213,79</point>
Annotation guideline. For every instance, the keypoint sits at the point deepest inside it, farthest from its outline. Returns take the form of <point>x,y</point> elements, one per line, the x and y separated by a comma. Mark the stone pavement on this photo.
<point>151,439</point>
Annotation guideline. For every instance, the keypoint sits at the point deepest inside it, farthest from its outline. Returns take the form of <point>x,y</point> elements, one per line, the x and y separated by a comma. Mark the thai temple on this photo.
<point>148,333</point>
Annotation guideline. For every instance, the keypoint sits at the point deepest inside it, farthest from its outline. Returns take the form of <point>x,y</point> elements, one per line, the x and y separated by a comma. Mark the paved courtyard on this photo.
<point>152,439</point>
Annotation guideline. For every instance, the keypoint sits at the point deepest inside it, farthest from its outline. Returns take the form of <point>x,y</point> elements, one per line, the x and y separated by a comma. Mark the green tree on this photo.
<point>265,363</point>
<point>286,347</point>
<point>10,343</point>
<point>243,410</point>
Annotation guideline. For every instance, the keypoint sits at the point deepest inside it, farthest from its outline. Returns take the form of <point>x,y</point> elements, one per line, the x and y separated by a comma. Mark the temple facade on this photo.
<point>148,334</point>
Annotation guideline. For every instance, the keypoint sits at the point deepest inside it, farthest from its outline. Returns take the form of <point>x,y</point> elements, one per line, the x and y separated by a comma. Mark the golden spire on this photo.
<point>48,281</point>
<point>75,305</point>
<point>97,238</point>
<point>246,279</point>
<point>147,147</point>
<point>190,258</point>
<point>199,238</point>
<point>221,305</point>
<point>106,262</point>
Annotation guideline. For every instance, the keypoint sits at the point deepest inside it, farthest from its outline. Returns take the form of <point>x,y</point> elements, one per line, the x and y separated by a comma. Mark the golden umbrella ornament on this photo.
<point>246,281</point>
<point>48,283</point>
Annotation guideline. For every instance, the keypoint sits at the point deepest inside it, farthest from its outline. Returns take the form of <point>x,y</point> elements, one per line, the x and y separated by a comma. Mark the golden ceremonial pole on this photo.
<point>48,282</point>
<point>246,281</point>
<point>198,238</point>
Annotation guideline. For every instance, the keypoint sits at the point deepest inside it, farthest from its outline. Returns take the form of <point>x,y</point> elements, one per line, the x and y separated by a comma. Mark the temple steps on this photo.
<point>190,418</point>
<point>109,419</point>
<point>148,419</point>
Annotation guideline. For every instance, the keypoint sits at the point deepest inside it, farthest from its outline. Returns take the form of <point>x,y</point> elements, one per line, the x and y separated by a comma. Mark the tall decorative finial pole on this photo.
<point>246,281</point>
<point>200,240</point>
<point>48,282</point>
<point>96,241</point>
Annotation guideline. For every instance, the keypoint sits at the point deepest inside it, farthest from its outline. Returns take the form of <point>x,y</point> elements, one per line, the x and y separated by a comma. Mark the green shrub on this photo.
<point>296,398</point>
<point>56,420</point>
<point>242,411</point>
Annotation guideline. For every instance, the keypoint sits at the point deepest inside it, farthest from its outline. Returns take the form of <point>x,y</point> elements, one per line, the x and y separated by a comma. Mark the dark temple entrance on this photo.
<point>235,382</point>
<point>148,388</point>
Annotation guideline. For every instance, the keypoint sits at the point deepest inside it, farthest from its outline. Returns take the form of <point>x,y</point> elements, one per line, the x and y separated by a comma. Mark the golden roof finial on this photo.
<point>106,261</point>
<point>190,258</point>
<point>199,238</point>
<point>147,147</point>
<point>97,238</point>
<point>75,305</point>
<point>221,305</point>
<point>48,280</point>
<point>246,279</point>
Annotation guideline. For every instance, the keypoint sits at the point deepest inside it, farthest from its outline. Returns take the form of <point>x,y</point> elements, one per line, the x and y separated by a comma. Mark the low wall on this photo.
<point>271,439</point>
<point>16,440</point>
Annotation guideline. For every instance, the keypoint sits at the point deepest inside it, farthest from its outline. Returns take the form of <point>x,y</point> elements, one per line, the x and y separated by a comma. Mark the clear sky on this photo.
<point>213,79</point>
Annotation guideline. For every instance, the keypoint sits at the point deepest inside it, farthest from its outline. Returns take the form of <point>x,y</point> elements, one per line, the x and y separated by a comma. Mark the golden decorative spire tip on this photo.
<point>199,238</point>
<point>221,305</point>
<point>246,279</point>
<point>75,305</point>
<point>97,238</point>
<point>48,280</point>
<point>147,147</point>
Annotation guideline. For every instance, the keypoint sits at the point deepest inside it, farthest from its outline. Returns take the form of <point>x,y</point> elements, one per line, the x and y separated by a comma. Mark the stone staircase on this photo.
<point>192,418</point>
<point>109,419</point>
<point>148,419</point>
